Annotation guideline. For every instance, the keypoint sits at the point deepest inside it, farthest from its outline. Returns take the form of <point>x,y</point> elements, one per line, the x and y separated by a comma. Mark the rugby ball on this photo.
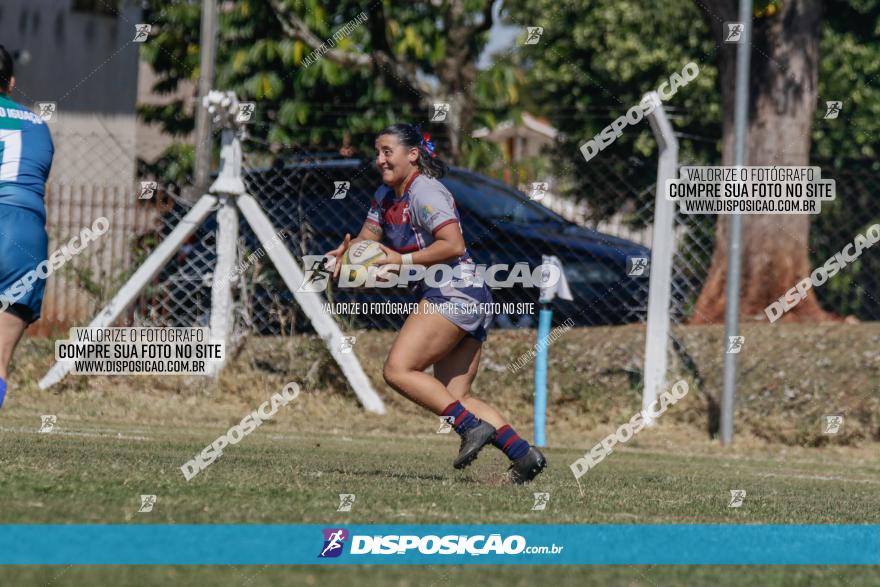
<point>359,257</point>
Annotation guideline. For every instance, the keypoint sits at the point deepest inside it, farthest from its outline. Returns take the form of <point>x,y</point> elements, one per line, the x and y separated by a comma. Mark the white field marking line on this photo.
<point>99,430</point>
<point>821,478</point>
<point>62,432</point>
<point>740,459</point>
<point>110,433</point>
<point>110,430</point>
<point>106,433</point>
<point>737,458</point>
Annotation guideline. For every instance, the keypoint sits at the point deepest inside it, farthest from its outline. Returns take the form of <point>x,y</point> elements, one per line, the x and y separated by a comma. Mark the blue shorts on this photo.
<point>24,244</point>
<point>469,308</point>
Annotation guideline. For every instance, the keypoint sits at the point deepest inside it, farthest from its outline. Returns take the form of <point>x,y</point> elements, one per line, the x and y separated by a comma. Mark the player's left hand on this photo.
<point>390,265</point>
<point>392,257</point>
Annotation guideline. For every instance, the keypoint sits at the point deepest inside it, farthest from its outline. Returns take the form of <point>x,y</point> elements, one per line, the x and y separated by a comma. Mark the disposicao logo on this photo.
<point>334,540</point>
<point>450,544</point>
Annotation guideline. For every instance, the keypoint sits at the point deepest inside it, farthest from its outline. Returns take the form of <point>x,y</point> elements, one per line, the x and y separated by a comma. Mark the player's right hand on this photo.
<point>335,261</point>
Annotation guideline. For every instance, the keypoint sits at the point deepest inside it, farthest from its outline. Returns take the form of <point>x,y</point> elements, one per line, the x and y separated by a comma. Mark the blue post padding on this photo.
<point>545,319</point>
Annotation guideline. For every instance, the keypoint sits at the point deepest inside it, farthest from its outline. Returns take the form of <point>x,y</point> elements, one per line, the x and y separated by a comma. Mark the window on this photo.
<point>497,203</point>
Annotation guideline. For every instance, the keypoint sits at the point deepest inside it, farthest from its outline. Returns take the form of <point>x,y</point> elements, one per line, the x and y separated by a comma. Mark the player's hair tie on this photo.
<point>428,144</point>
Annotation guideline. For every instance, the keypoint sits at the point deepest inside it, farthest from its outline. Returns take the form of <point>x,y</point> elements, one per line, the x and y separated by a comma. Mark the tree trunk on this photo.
<point>456,75</point>
<point>456,87</point>
<point>783,89</point>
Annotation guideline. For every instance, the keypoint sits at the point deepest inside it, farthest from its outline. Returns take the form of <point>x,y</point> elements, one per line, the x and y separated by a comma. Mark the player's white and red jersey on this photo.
<point>410,223</point>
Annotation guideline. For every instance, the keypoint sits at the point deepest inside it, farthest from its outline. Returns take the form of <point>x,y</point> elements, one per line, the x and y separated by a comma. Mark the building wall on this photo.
<point>84,61</point>
<point>151,141</point>
<point>73,53</point>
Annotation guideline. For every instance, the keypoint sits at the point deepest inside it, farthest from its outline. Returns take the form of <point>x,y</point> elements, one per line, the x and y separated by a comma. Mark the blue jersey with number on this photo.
<point>26,151</point>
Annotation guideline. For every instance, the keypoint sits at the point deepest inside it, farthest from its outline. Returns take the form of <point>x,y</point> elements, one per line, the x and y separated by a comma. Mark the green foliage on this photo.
<point>853,291</point>
<point>317,106</point>
<point>849,71</point>
<point>596,59</point>
<point>172,168</point>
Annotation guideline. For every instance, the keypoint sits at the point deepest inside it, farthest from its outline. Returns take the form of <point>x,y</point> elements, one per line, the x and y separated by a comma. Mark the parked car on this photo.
<point>500,224</point>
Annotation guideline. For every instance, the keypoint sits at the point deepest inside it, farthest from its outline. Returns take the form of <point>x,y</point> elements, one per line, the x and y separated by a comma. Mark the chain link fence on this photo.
<point>626,209</point>
<point>855,290</point>
<point>314,199</point>
<point>92,177</point>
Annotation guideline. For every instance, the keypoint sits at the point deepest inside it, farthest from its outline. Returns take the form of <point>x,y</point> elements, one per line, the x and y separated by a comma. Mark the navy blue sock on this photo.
<point>2,391</point>
<point>510,443</point>
<point>462,419</point>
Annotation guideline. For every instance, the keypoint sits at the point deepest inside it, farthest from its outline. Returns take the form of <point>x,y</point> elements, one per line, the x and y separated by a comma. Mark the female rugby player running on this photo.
<point>415,216</point>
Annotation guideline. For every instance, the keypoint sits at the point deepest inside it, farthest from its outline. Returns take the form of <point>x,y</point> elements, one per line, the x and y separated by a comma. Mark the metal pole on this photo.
<point>228,186</point>
<point>734,254</point>
<point>203,142</point>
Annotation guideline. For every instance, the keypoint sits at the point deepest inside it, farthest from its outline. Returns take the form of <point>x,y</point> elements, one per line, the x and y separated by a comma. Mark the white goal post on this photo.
<point>662,250</point>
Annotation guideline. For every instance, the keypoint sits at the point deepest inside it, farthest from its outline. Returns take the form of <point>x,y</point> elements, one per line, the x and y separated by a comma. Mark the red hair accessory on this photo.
<point>428,144</point>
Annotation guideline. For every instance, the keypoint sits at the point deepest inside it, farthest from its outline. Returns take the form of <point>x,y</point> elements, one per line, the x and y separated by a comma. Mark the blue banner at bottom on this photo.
<point>420,544</point>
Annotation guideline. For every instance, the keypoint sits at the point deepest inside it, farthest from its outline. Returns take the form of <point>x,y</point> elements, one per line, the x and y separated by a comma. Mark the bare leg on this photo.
<point>11,329</point>
<point>425,338</point>
<point>457,371</point>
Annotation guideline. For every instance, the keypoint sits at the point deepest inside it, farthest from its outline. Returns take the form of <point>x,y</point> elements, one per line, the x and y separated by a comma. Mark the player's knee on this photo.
<point>393,372</point>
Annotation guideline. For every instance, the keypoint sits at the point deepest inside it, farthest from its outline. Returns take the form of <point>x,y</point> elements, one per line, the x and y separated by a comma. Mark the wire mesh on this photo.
<point>593,237</point>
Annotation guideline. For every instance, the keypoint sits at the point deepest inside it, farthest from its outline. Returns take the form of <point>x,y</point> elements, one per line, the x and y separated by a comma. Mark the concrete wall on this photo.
<point>86,63</point>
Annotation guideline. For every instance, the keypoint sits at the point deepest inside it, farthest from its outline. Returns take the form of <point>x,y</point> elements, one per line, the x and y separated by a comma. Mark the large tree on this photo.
<point>596,59</point>
<point>783,92</point>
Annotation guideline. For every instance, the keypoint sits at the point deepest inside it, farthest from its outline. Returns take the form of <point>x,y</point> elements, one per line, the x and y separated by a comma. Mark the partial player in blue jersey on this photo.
<point>415,219</point>
<point>26,152</point>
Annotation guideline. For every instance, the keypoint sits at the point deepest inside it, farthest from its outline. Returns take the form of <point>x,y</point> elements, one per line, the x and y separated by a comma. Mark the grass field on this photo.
<point>91,474</point>
<point>118,438</point>
<point>439,576</point>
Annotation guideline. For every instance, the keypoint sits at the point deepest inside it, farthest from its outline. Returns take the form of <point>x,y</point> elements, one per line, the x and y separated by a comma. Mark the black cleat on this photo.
<point>527,467</point>
<point>472,441</point>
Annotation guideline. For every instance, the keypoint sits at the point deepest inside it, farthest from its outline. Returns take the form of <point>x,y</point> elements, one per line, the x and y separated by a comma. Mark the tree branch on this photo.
<point>461,47</point>
<point>716,13</point>
<point>486,24</point>
<point>378,36</point>
<point>295,28</point>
